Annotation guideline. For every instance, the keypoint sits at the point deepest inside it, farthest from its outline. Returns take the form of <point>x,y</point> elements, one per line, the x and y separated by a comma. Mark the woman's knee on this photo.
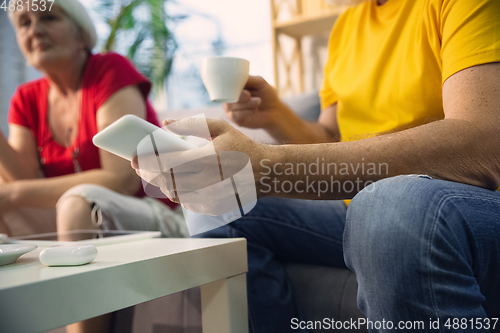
<point>74,210</point>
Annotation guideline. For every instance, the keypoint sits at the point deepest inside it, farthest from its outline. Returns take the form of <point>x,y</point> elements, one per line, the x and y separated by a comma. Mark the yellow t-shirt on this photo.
<point>387,63</point>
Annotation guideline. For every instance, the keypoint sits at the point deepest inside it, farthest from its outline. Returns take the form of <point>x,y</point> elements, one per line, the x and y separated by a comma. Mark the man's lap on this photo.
<point>312,231</point>
<point>388,216</point>
<point>441,235</point>
<point>303,223</point>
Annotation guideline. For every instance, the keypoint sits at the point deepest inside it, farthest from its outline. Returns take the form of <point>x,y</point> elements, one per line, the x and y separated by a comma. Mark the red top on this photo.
<point>104,75</point>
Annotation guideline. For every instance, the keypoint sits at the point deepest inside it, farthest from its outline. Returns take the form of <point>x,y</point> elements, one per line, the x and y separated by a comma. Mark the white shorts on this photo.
<point>110,211</point>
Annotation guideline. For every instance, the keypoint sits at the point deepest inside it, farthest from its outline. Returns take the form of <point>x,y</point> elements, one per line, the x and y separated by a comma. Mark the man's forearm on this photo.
<point>452,150</point>
<point>293,130</point>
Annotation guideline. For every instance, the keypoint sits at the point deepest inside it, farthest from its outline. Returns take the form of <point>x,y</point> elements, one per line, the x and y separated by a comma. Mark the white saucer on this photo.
<point>10,252</point>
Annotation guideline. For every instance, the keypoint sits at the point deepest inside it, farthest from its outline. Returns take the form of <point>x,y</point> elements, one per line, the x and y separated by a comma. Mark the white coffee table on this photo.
<point>35,298</point>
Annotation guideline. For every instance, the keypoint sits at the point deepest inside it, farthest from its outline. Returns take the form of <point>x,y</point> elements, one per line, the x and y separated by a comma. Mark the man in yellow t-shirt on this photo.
<point>409,128</point>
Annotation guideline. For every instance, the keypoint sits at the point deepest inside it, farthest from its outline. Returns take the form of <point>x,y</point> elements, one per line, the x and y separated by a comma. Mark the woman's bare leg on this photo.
<point>72,214</point>
<point>98,324</point>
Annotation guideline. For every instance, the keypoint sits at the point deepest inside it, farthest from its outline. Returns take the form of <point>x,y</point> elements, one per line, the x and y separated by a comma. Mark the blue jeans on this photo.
<point>422,249</point>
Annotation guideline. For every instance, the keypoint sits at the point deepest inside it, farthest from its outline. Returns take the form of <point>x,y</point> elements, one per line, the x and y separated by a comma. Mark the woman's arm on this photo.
<point>18,156</point>
<point>115,172</point>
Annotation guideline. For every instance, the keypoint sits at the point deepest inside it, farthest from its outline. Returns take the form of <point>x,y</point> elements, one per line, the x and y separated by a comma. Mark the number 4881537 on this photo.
<point>29,5</point>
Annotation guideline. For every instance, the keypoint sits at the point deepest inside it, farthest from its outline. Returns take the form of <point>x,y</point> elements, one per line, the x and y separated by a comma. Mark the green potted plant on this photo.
<point>139,29</point>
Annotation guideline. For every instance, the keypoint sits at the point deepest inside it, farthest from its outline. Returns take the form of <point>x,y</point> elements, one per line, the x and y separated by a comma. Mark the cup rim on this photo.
<point>224,57</point>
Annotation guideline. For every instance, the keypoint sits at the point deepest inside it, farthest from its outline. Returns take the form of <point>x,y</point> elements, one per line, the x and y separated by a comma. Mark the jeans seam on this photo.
<point>340,242</point>
<point>443,201</point>
<point>481,254</point>
<point>429,254</point>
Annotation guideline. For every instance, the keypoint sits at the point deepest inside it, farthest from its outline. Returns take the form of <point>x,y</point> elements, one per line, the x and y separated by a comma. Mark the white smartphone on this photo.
<point>124,135</point>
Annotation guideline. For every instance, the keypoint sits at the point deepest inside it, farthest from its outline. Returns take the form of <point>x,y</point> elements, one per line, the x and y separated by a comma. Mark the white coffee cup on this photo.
<point>224,77</point>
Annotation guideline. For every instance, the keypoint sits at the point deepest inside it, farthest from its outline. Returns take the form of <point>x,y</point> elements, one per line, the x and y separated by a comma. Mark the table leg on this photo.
<point>224,306</point>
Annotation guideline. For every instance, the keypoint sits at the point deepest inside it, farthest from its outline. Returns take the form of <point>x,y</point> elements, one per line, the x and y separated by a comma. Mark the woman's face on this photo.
<point>47,38</point>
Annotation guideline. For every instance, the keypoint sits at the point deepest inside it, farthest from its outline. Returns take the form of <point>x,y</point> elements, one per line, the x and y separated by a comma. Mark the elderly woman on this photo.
<point>52,122</point>
<point>50,172</point>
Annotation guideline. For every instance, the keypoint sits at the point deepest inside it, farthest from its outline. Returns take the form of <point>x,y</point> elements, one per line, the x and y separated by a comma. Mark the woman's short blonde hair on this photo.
<point>78,17</point>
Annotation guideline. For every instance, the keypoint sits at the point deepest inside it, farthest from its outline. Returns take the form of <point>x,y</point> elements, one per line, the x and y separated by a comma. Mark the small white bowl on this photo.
<point>9,253</point>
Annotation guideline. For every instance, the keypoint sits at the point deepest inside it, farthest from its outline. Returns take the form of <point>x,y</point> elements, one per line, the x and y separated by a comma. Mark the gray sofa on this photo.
<point>324,292</point>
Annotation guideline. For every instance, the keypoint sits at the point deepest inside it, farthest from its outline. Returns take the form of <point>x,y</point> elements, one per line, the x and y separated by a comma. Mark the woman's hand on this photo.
<point>258,106</point>
<point>204,180</point>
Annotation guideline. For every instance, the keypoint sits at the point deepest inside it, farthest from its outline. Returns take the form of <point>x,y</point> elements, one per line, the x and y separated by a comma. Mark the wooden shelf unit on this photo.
<point>292,20</point>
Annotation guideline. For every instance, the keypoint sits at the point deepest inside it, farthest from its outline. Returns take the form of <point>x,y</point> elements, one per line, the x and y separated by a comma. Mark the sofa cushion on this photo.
<point>306,106</point>
<point>325,292</point>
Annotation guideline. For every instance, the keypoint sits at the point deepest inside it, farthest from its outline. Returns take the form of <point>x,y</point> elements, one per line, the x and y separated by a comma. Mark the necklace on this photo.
<point>74,157</point>
<point>67,141</point>
<point>76,150</point>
